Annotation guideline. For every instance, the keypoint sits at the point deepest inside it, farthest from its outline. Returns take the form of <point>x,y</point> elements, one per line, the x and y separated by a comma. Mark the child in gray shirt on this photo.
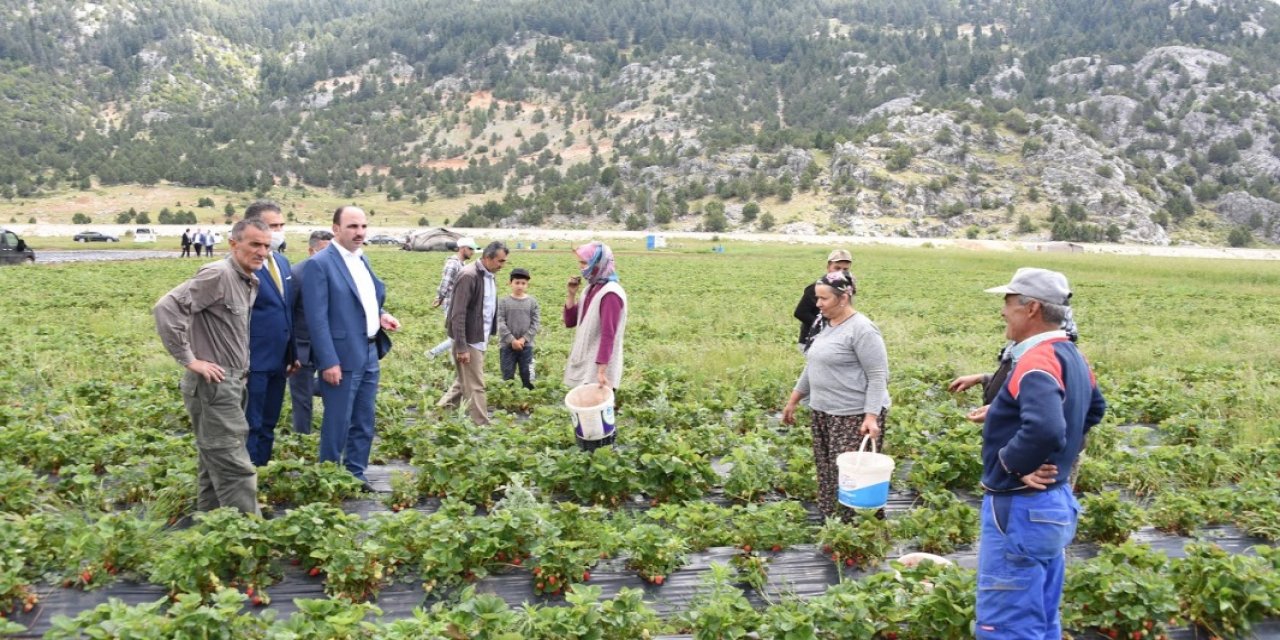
<point>519,319</point>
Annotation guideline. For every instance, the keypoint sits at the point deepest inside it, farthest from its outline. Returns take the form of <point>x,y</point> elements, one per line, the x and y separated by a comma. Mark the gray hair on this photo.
<point>1054,314</point>
<point>319,236</point>
<point>237,232</point>
<point>259,207</point>
<point>491,250</point>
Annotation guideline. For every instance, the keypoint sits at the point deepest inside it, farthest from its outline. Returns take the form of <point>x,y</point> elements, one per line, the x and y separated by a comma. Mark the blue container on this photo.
<point>868,497</point>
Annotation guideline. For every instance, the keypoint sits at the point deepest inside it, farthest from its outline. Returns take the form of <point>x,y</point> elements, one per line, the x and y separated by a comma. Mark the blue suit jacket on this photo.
<point>301,331</point>
<point>334,314</point>
<point>271,345</point>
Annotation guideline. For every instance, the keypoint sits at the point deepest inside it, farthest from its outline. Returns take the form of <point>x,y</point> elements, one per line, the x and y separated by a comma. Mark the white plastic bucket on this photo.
<point>591,407</point>
<point>864,477</point>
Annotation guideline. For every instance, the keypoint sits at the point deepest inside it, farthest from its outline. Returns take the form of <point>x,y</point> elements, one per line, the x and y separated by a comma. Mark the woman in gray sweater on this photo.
<point>846,378</point>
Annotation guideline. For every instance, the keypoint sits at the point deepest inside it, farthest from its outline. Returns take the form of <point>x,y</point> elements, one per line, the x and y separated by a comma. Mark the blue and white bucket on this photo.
<point>864,477</point>
<point>591,407</point>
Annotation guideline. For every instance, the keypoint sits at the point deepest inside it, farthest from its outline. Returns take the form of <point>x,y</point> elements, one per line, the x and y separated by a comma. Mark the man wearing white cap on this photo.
<point>452,267</point>
<point>807,309</point>
<point>1034,429</point>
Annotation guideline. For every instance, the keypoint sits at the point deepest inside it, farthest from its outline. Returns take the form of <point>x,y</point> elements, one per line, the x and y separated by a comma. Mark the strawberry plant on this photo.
<point>1257,508</point>
<point>753,474</point>
<point>589,616</point>
<point>304,530</point>
<point>672,471</point>
<point>941,604</point>
<point>751,569</point>
<point>224,547</point>
<point>799,475</point>
<point>404,491</point>
<point>559,564</point>
<point>846,611</point>
<point>116,542</point>
<point>861,544</point>
<point>353,569</point>
<point>771,526</point>
<point>947,464</point>
<point>1107,518</point>
<point>1124,590</point>
<point>301,482</point>
<point>942,524</point>
<point>602,476</point>
<point>1223,593</point>
<point>701,524</point>
<point>20,490</point>
<point>189,616</point>
<point>653,552</point>
<point>329,619</point>
<point>1177,512</point>
<point>719,610</point>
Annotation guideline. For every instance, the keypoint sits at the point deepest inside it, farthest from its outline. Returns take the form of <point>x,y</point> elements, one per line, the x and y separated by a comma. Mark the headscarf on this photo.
<point>845,284</point>
<point>600,268</point>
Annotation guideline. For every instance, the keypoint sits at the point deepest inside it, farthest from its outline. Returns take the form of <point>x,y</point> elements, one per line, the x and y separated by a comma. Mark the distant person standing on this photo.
<point>186,243</point>
<point>204,324</point>
<point>452,267</point>
<point>302,384</point>
<point>197,242</point>
<point>211,242</point>
<point>519,320</point>
<point>807,309</point>
<point>342,299</point>
<point>472,320</point>
<point>272,356</point>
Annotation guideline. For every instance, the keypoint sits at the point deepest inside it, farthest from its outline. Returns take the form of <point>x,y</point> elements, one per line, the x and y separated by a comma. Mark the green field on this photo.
<point>1185,352</point>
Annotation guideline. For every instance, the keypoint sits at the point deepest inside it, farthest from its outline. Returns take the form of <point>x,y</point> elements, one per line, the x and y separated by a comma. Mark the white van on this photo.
<point>144,234</point>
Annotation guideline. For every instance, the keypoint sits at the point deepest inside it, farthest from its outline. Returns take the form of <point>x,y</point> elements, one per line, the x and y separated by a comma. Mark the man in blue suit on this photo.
<point>302,385</point>
<point>343,301</point>
<point>272,357</point>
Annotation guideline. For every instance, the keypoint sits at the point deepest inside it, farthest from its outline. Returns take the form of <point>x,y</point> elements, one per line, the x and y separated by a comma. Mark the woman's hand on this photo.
<point>789,411</point>
<point>964,382</point>
<point>979,415</point>
<point>600,375</point>
<point>870,426</point>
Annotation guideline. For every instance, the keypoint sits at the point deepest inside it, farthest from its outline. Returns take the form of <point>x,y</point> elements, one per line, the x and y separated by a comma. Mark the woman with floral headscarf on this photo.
<point>600,316</point>
<point>846,378</point>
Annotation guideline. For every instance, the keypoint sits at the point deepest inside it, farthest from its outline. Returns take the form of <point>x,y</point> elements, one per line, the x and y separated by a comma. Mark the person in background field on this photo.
<point>448,278</point>
<point>186,243</point>
<point>846,378</point>
<point>519,320</point>
<point>600,317</point>
<point>807,309</point>
<point>272,355</point>
<point>1034,428</point>
<point>472,319</point>
<point>197,242</point>
<point>343,299</point>
<point>204,324</point>
<point>302,384</point>
<point>211,240</point>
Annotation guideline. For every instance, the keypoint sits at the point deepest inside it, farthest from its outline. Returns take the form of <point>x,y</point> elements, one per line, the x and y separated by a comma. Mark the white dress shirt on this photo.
<point>364,287</point>
<point>490,308</point>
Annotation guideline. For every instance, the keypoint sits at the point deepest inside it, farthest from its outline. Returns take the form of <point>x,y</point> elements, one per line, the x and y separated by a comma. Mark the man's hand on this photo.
<point>211,372</point>
<point>292,368</point>
<point>332,375</point>
<point>964,382</point>
<point>438,302</point>
<point>1041,478</point>
<point>389,322</point>
<point>463,358</point>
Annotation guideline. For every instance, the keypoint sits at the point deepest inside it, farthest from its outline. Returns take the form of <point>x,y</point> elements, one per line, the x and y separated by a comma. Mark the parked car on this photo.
<point>144,234</point>
<point>384,239</point>
<point>95,236</point>
<point>14,250</point>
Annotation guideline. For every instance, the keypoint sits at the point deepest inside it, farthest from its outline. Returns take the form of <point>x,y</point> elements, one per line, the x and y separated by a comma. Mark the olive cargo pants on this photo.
<point>227,478</point>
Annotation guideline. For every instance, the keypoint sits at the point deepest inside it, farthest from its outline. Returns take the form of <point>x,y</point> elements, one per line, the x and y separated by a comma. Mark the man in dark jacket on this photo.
<point>807,310</point>
<point>1034,428</point>
<point>472,319</point>
<point>272,357</point>
<point>302,384</point>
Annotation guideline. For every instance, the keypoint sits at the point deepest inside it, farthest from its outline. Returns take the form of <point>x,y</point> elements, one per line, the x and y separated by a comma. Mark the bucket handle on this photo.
<point>863,448</point>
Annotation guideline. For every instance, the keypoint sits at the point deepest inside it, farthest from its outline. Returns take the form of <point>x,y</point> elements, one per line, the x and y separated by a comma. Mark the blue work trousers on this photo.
<point>1021,560</point>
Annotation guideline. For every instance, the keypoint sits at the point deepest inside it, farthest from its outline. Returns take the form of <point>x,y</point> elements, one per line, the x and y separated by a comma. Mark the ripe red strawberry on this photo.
<point>848,562</point>
<point>658,580</point>
<point>256,600</point>
<point>586,575</point>
<point>315,571</point>
<point>86,576</point>
<point>746,548</point>
<point>777,548</point>
<point>516,561</point>
<point>551,580</point>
